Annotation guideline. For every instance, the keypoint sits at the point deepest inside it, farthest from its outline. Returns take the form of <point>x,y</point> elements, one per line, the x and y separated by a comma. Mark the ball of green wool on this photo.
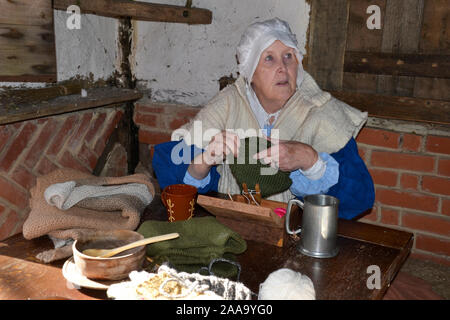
<point>246,169</point>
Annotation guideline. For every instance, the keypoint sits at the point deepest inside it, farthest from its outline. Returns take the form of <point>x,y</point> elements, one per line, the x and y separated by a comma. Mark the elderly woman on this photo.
<point>314,142</point>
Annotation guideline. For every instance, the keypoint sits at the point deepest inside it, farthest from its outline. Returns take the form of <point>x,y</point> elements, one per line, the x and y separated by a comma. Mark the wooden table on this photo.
<point>342,277</point>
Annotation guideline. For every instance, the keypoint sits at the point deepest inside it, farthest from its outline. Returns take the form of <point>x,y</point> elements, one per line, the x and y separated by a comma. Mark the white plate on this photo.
<point>73,275</point>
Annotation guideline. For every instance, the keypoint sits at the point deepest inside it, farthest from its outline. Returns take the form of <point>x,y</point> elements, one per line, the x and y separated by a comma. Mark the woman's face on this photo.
<point>275,77</point>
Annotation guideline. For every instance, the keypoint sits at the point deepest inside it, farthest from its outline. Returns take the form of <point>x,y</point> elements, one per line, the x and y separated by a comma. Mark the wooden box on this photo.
<point>258,223</point>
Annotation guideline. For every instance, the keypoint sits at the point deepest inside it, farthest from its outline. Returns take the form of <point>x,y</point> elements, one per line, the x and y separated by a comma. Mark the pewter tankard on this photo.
<point>319,225</point>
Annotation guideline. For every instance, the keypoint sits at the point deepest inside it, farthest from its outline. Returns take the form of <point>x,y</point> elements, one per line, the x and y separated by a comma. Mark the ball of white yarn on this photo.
<point>286,284</point>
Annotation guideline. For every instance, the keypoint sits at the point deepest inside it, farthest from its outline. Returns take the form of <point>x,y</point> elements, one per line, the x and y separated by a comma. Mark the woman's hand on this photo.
<point>288,155</point>
<point>221,145</point>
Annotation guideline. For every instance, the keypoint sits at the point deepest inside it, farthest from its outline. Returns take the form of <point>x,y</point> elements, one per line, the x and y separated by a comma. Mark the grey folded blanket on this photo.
<point>105,212</point>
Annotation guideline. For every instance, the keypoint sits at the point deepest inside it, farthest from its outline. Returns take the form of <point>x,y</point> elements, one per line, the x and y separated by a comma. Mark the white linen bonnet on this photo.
<point>257,38</point>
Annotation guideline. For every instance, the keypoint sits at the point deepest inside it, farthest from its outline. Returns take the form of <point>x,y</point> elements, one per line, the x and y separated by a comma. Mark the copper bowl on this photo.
<point>114,268</point>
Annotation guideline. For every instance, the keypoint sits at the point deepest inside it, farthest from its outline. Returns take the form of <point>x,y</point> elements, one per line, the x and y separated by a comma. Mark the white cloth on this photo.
<point>260,113</point>
<point>316,171</point>
<point>65,195</point>
<point>257,38</point>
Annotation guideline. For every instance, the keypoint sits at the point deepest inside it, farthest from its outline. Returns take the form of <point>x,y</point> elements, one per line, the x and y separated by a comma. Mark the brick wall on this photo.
<point>32,148</point>
<point>411,173</point>
<point>157,121</point>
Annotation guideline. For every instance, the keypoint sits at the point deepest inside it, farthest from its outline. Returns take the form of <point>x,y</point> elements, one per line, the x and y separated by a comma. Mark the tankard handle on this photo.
<point>288,215</point>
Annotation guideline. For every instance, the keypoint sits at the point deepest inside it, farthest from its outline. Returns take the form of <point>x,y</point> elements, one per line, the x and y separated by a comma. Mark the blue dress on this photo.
<point>352,183</point>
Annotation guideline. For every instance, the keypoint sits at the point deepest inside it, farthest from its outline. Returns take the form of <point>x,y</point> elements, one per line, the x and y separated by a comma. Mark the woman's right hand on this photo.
<point>220,146</point>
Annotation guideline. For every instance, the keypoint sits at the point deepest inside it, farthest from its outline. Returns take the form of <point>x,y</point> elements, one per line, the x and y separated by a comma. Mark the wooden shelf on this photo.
<point>139,10</point>
<point>12,110</point>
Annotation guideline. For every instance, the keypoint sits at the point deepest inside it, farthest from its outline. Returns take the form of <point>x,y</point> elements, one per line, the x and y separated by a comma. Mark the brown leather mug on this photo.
<point>179,200</point>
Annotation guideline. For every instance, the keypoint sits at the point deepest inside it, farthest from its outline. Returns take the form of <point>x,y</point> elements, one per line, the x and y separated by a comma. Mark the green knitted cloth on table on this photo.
<point>246,169</point>
<point>201,240</point>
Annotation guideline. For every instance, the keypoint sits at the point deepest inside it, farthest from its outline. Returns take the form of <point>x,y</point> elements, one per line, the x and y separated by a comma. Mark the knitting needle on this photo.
<point>258,193</point>
<point>244,186</point>
<point>245,192</point>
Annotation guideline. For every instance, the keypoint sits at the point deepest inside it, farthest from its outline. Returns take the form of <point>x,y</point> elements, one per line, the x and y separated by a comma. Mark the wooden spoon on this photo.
<point>106,253</point>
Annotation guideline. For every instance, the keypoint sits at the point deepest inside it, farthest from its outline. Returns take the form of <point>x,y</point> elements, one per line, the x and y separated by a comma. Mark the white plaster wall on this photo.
<point>91,49</point>
<point>88,52</point>
<point>183,63</point>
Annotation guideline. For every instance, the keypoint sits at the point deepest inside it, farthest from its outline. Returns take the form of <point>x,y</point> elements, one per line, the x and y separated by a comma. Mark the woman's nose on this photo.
<point>282,66</point>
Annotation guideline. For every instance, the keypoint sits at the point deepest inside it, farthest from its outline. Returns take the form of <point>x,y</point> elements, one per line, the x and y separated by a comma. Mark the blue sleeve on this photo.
<point>302,186</point>
<point>354,189</point>
<point>188,179</point>
<point>171,161</point>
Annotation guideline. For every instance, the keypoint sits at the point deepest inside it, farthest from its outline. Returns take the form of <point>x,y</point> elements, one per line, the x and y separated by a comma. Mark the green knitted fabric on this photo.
<point>201,240</point>
<point>246,169</point>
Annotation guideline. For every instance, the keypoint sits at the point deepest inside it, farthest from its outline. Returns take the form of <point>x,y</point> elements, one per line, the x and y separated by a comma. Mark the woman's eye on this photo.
<point>269,58</point>
<point>288,55</point>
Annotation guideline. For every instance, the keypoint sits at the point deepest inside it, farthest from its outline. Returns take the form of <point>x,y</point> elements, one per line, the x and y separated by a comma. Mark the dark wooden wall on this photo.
<point>400,71</point>
<point>27,45</point>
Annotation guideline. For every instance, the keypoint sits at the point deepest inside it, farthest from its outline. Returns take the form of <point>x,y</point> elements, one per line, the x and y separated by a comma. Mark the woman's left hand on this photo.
<point>288,155</point>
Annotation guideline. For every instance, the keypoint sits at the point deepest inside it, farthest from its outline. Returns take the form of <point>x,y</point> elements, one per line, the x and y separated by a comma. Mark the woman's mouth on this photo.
<point>282,83</point>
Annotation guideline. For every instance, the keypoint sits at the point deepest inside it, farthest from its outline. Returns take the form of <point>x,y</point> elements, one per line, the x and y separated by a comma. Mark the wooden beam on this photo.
<point>415,65</point>
<point>97,97</point>
<point>139,10</point>
<point>400,108</point>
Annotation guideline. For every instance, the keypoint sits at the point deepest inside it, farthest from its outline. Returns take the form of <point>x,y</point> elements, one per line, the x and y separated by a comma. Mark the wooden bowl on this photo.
<point>115,268</point>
